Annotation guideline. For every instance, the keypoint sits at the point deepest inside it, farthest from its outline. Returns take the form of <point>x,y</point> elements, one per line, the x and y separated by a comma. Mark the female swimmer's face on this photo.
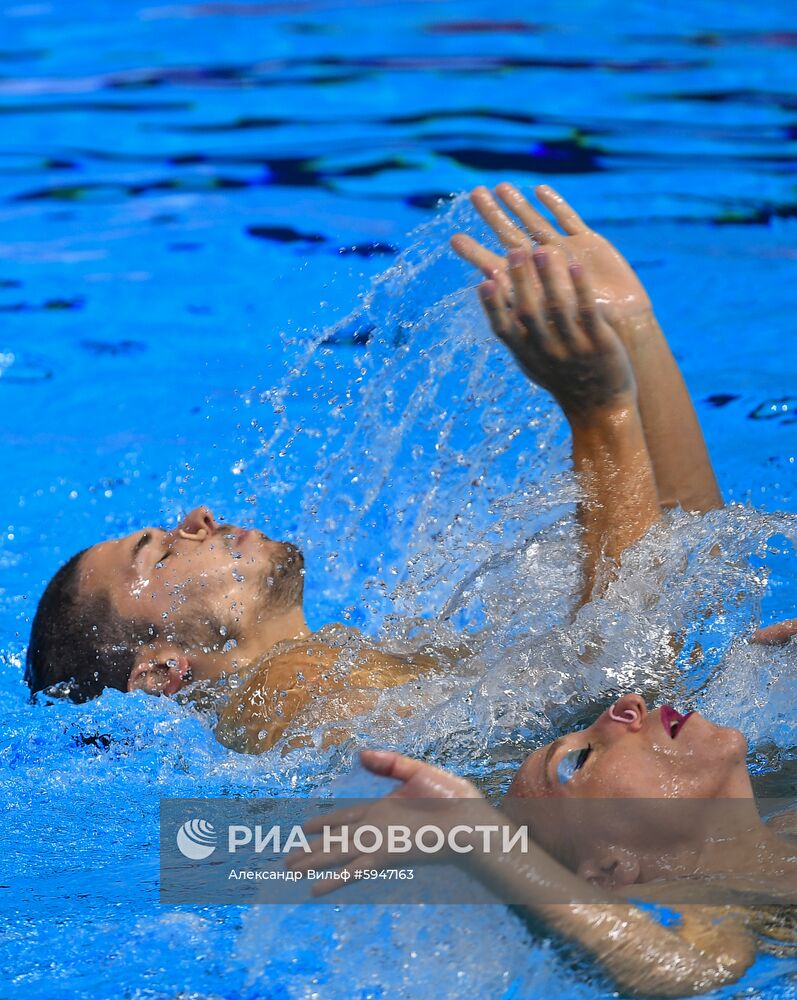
<point>629,752</point>
<point>608,791</point>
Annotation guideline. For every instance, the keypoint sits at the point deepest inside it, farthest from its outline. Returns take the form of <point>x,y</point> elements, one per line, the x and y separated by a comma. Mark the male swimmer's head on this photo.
<point>637,794</point>
<point>157,608</point>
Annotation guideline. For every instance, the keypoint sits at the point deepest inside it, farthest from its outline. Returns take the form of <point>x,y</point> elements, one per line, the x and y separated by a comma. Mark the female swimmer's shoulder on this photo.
<point>784,824</point>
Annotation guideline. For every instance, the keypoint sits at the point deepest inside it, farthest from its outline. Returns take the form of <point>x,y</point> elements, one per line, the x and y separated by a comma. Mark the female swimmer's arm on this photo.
<point>710,948</point>
<point>643,958</point>
<point>561,341</point>
<point>681,463</point>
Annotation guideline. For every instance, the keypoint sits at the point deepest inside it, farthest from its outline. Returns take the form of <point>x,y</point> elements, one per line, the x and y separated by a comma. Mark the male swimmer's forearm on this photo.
<point>678,452</point>
<point>619,498</point>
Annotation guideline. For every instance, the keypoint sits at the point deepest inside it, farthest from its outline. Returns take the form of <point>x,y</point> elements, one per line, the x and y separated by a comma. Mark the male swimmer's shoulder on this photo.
<point>270,692</point>
<point>336,672</point>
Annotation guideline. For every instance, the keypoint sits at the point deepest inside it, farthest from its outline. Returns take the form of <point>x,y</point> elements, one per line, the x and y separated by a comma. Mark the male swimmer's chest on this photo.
<point>338,683</point>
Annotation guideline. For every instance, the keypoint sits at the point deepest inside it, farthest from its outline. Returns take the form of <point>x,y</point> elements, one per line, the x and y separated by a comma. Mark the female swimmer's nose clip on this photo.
<point>628,715</point>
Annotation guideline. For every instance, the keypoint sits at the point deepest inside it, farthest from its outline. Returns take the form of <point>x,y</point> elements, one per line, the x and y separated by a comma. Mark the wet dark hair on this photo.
<point>79,644</point>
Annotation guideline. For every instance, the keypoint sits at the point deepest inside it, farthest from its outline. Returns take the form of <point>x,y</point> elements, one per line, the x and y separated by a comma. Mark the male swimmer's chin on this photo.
<point>161,673</point>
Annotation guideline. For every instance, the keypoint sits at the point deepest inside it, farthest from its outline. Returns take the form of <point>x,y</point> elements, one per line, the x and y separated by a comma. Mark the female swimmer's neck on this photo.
<point>733,839</point>
<point>757,851</point>
<point>739,844</point>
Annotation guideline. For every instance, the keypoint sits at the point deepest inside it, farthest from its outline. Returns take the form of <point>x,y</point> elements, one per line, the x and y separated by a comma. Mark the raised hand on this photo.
<point>544,309</point>
<point>618,290</point>
<point>678,453</point>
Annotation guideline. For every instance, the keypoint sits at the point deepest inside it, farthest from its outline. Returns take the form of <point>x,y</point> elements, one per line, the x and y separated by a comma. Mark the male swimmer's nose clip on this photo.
<point>193,536</point>
<point>628,715</point>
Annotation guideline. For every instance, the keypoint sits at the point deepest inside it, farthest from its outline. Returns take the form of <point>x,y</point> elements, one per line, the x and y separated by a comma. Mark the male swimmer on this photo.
<point>160,608</point>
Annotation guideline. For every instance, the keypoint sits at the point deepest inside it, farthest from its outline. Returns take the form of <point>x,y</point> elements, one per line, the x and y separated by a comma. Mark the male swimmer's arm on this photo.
<point>618,492</point>
<point>679,456</point>
<point>561,341</point>
<point>684,475</point>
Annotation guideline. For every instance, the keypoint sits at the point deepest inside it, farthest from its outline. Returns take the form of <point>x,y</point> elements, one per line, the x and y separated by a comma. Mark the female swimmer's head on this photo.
<point>644,758</point>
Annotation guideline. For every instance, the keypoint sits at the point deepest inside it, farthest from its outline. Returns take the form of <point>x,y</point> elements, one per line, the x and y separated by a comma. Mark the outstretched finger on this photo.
<point>560,304</point>
<point>777,634</point>
<point>390,763</point>
<point>539,228</point>
<point>340,817</point>
<point>494,304</point>
<point>585,300</point>
<point>491,265</point>
<point>528,294</point>
<point>300,860</point>
<point>347,874</point>
<point>566,216</point>
<point>504,228</point>
<point>487,261</point>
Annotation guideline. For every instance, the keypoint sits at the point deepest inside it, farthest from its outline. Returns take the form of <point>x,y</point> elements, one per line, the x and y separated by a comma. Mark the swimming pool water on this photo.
<point>201,207</point>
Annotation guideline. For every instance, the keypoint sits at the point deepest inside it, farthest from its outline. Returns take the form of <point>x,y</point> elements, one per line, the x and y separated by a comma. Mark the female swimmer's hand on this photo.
<point>618,290</point>
<point>557,333</point>
<point>414,803</point>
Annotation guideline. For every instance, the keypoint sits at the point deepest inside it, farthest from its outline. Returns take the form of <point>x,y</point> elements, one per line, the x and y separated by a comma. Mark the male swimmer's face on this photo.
<point>199,573</point>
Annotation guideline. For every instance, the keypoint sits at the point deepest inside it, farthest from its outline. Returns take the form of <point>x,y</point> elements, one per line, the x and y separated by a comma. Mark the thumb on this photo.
<point>777,634</point>
<point>389,764</point>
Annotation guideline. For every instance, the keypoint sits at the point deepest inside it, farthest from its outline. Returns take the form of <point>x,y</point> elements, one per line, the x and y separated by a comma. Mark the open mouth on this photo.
<point>673,721</point>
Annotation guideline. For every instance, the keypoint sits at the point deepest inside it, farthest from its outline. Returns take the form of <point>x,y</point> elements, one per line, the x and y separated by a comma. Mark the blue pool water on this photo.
<point>206,210</point>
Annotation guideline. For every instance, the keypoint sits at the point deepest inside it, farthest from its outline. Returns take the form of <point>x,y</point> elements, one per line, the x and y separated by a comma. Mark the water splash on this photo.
<point>441,480</point>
